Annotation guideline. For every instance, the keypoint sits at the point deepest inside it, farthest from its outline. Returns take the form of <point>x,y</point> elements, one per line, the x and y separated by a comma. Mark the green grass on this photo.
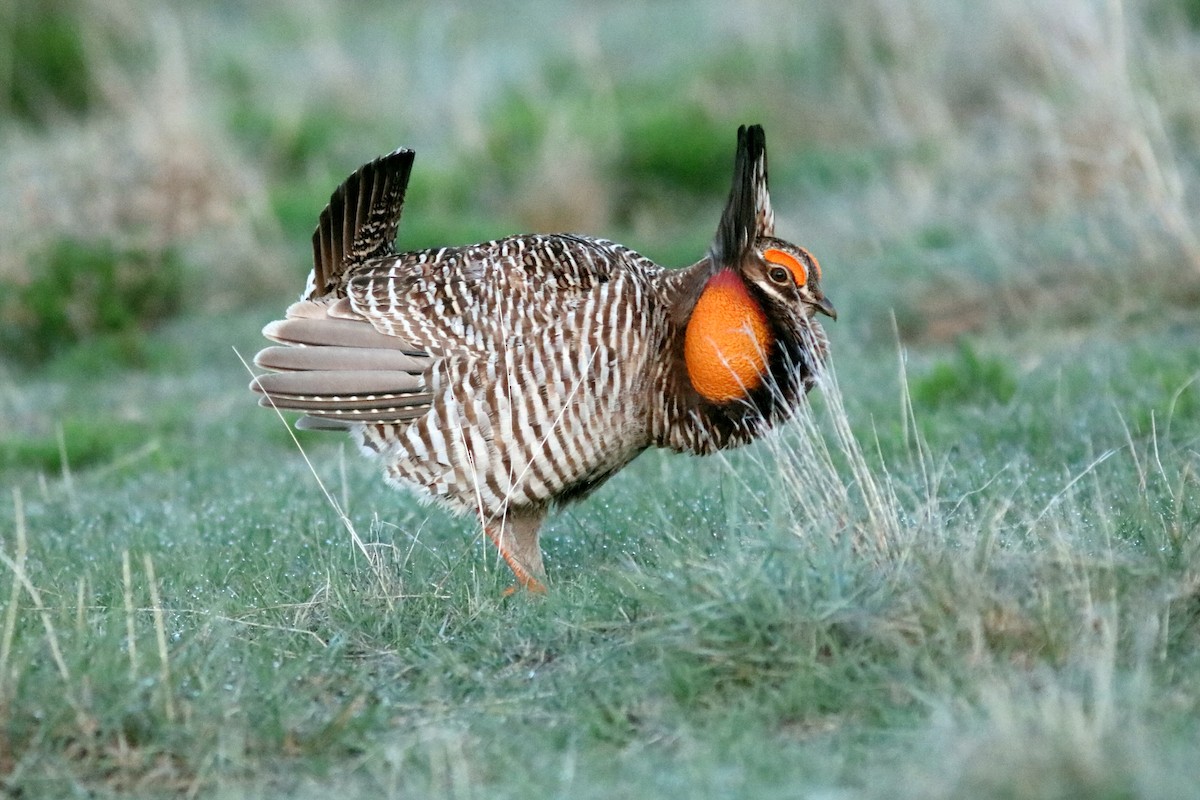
<point>969,570</point>
<point>787,616</point>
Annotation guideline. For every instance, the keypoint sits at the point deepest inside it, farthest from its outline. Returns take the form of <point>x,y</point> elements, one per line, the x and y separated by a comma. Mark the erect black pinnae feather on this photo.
<point>737,229</point>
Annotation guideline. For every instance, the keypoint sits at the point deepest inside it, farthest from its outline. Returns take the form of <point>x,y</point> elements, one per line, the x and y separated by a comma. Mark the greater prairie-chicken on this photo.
<point>507,377</point>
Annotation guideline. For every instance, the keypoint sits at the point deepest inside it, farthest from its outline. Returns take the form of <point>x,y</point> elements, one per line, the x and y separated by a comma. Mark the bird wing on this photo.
<point>338,370</point>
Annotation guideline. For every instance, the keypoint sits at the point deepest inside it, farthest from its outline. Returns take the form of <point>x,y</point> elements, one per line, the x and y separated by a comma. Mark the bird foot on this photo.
<point>531,585</point>
<point>517,542</point>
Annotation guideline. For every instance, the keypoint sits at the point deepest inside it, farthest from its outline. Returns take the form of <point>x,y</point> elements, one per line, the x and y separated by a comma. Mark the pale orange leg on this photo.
<point>516,537</point>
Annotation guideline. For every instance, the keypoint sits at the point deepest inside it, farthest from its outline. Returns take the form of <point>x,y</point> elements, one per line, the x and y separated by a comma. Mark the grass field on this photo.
<point>970,569</point>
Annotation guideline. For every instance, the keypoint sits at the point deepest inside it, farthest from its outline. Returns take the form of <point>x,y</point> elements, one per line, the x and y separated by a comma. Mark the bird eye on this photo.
<point>785,268</point>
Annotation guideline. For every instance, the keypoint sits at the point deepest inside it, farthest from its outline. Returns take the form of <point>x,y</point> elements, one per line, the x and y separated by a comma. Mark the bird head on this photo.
<point>757,306</point>
<point>786,274</point>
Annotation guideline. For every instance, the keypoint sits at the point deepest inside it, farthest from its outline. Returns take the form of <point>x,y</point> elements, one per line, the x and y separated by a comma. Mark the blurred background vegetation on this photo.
<point>967,167</point>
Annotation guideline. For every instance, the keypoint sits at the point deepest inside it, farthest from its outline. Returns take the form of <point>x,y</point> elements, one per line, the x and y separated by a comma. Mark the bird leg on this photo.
<point>516,537</point>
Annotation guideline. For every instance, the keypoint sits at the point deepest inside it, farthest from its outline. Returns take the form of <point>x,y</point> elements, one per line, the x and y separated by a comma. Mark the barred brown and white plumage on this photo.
<point>506,377</point>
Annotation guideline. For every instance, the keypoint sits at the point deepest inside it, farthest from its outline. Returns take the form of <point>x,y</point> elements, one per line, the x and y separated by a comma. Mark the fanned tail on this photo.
<point>359,223</point>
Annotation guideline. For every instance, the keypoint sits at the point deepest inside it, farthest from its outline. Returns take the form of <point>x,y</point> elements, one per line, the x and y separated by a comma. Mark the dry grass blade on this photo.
<point>14,600</point>
<point>160,633</point>
<point>19,576</point>
<point>373,561</point>
<point>130,626</point>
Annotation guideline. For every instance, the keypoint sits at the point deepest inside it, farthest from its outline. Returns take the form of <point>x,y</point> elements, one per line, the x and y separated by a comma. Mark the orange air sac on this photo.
<point>727,340</point>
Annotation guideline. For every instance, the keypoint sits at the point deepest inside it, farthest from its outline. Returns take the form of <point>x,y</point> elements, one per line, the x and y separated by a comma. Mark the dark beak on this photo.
<point>825,307</point>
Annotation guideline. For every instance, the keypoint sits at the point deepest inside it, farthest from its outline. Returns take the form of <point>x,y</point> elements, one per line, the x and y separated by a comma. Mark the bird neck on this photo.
<point>697,299</point>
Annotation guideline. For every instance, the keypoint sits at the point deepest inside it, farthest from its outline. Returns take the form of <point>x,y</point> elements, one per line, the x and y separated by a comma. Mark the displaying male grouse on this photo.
<point>507,377</point>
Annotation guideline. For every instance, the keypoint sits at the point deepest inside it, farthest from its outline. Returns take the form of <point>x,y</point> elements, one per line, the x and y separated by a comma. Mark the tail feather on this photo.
<point>360,221</point>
